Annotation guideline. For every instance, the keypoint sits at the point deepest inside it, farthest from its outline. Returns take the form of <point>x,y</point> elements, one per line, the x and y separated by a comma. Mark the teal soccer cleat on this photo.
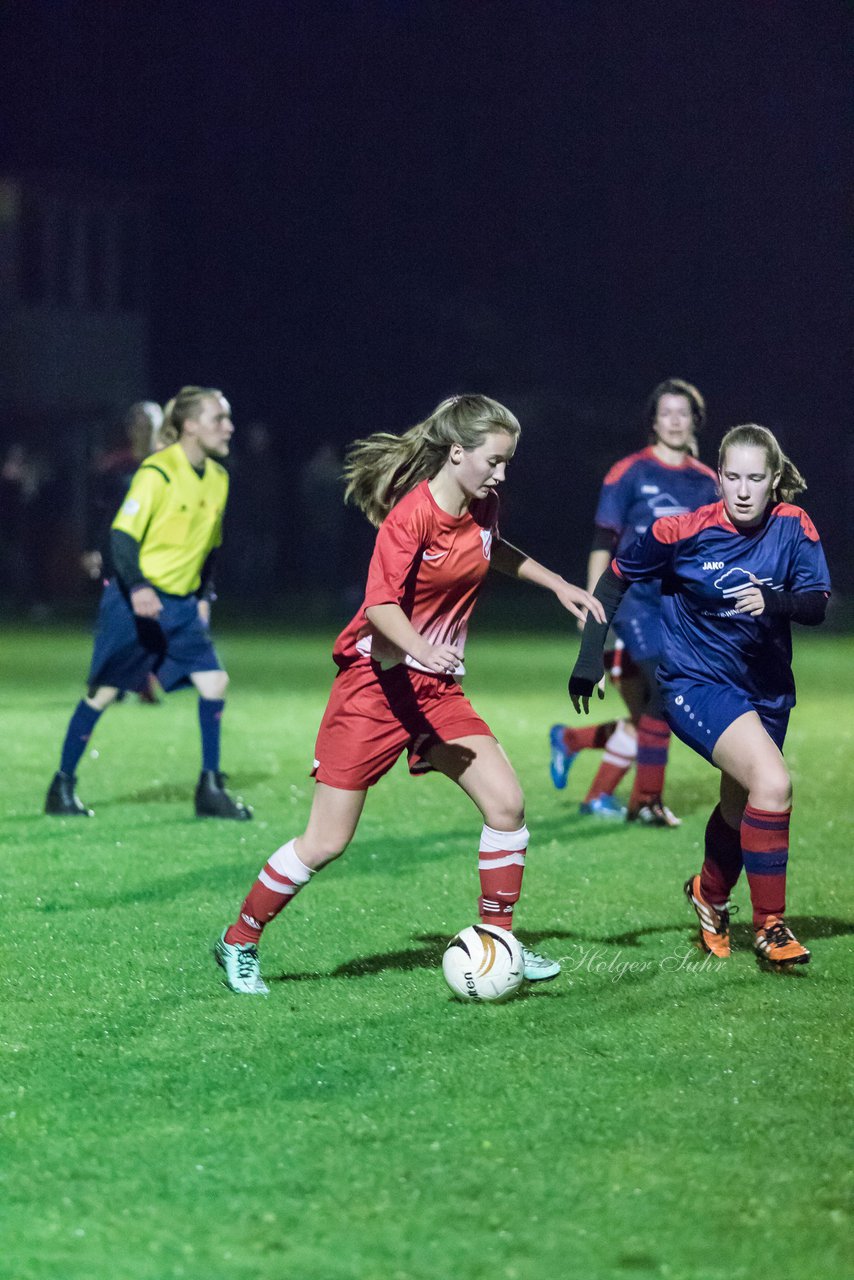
<point>539,968</point>
<point>241,965</point>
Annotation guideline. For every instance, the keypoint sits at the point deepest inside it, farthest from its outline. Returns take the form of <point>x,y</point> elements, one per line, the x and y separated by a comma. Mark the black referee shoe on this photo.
<point>213,801</point>
<point>63,801</point>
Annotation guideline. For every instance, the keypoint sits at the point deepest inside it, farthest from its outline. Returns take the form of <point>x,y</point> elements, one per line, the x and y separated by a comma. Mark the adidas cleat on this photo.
<point>776,944</point>
<point>242,967</point>
<point>714,921</point>
<point>538,968</point>
<point>561,758</point>
<point>653,814</point>
<point>603,806</point>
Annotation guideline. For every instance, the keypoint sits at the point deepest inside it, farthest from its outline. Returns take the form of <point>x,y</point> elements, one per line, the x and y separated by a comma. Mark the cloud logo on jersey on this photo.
<point>664,504</point>
<point>130,507</point>
<point>736,580</point>
<point>486,539</point>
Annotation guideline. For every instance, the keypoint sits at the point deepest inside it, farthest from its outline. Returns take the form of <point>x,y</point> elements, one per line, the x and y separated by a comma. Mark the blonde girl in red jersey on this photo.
<point>433,493</point>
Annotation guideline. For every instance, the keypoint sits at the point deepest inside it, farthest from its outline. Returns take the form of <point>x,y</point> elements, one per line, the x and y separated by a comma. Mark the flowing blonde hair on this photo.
<point>383,468</point>
<point>791,482</point>
<point>181,407</point>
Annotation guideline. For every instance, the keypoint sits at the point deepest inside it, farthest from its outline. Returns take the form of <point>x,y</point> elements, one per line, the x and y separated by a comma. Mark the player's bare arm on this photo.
<point>597,563</point>
<point>392,623</point>
<point>509,560</point>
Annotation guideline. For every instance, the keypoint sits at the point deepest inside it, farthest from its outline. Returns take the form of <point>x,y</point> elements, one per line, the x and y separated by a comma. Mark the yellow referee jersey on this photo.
<point>176,517</point>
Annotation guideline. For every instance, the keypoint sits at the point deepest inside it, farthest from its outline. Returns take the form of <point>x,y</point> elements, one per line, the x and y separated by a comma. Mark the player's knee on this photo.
<point>316,851</point>
<point>507,811</point>
<point>773,792</point>
<point>781,790</point>
<point>100,696</point>
<point>215,684</point>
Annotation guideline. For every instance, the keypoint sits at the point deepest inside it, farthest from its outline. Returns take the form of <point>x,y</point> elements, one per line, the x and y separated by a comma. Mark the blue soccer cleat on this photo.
<point>604,806</point>
<point>561,759</point>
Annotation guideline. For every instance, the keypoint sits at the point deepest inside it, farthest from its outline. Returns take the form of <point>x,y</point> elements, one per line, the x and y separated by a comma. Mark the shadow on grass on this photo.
<point>428,956</point>
<point>805,928</point>
<point>170,792</point>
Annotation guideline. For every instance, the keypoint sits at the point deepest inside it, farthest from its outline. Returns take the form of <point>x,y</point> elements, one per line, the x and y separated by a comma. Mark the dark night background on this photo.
<point>360,208</point>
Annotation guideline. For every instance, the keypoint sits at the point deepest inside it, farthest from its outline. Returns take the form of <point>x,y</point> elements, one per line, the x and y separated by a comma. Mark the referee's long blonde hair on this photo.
<point>383,468</point>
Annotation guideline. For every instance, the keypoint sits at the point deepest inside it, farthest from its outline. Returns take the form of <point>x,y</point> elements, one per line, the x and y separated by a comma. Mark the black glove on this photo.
<point>589,668</point>
<point>586,676</point>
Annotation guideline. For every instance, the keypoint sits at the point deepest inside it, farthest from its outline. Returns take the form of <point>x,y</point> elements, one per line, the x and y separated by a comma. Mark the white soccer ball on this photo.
<point>483,963</point>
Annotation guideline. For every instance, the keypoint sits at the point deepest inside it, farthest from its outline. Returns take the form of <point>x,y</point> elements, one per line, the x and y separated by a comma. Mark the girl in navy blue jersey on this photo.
<point>662,479</point>
<point>734,575</point>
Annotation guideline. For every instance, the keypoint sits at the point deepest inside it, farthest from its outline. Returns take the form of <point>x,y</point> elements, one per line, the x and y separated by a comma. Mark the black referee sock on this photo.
<point>79,731</point>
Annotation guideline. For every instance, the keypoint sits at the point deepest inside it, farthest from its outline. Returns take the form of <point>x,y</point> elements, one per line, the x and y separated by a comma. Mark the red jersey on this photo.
<point>431,564</point>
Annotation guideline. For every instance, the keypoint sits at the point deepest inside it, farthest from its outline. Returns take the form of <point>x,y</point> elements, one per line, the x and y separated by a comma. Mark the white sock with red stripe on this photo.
<point>501,863</point>
<point>620,752</point>
<point>279,880</point>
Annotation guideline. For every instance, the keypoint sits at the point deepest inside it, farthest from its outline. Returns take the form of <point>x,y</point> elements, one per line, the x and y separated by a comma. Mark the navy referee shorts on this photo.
<point>128,649</point>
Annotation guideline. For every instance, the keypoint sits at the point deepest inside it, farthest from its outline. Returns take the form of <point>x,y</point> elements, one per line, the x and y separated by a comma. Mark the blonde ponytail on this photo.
<point>382,468</point>
<point>176,412</point>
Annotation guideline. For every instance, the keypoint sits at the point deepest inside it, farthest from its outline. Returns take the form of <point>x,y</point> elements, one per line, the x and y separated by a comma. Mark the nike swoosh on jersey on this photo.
<point>437,555</point>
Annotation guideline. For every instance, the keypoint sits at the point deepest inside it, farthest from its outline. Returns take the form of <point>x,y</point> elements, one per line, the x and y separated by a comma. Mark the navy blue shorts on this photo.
<point>128,649</point>
<point>698,713</point>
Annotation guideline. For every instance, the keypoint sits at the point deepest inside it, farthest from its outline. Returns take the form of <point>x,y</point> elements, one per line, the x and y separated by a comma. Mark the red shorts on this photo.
<point>374,715</point>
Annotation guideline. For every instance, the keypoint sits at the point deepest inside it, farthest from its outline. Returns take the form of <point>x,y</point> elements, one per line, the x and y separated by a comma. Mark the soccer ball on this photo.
<point>483,963</point>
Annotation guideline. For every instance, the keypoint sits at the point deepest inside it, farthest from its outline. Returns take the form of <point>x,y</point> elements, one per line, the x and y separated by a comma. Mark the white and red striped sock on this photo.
<point>501,864</point>
<point>279,880</point>
<point>621,749</point>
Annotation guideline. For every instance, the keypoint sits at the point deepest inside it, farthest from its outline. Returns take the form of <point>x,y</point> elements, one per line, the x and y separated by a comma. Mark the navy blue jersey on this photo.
<point>702,561</point>
<point>637,491</point>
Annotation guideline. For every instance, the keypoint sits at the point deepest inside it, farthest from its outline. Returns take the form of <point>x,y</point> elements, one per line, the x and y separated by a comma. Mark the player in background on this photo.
<point>108,485</point>
<point>155,609</point>
<point>662,479</point>
<point>111,479</point>
<point>739,572</point>
<point>432,492</point>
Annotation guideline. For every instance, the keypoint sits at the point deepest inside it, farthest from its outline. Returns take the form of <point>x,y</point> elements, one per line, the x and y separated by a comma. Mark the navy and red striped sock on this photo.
<point>722,865</point>
<point>653,746</point>
<point>765,851</point>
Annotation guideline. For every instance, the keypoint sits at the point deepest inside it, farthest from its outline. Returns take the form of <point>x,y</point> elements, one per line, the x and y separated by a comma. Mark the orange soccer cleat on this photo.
<point>714,921</point>
<point>776,943</point>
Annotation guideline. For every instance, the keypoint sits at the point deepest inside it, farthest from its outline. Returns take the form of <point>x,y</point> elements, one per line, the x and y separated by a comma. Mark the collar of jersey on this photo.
<point>200,475</point>
<point>668,466</point>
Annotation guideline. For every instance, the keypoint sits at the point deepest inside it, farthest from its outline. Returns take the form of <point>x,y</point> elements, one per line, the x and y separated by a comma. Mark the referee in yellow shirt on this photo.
<point>155,608</point>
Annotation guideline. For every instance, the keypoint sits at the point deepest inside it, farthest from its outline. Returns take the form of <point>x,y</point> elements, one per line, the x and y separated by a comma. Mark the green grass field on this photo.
<point>645,1115</point>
